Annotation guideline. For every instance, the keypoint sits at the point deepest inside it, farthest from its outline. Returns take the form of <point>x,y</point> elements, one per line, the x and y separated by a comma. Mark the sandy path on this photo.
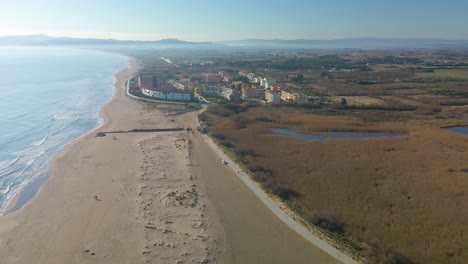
<point>148,208</point>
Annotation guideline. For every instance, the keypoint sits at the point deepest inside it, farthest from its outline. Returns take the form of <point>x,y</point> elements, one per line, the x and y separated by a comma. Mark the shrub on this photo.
<point>262,176</point>
<point>281,190</point>
<point>246,151</point>
<point>202,116</point>
<point>218,135</point>
<point>390,255</point>
<point>242,121</point>
<point>264,119</point>
<point>284,191</point>
<point>254,167</point>
<point>237,108</point>
<point>227,144</point>
<point>220,111</point>
<point>327,220</point>
<point>388,107</point>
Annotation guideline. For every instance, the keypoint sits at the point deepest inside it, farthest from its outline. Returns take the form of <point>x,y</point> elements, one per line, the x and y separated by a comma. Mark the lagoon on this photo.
<point>458,129</point>
<point>334,135</point>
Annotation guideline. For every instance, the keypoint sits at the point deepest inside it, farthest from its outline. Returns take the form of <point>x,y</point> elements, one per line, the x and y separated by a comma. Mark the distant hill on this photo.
<point>364,43</point>
<point>351,43</point>
<point>44,40</point>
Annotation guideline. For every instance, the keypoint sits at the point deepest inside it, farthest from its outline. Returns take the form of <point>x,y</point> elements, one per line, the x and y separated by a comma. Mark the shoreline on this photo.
<point>13,201</point>
<point>147,206</point>
<point>25,194</point>
<point>12,204</point>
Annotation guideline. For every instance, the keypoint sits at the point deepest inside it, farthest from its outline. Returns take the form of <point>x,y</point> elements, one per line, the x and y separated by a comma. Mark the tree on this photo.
<point>241,78</point>
<point>299,78</point>
<point>365,68</point>
<point>343,101</point>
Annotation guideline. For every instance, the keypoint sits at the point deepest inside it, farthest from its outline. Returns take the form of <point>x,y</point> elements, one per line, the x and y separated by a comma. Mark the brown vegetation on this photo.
<point>404,197</point>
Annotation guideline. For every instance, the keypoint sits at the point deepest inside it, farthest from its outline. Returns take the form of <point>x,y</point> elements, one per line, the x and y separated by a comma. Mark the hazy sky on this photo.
<point>204,20</point>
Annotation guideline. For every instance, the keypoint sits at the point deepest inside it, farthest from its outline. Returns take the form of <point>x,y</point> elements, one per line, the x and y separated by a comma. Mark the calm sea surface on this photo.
<point>48,97</point>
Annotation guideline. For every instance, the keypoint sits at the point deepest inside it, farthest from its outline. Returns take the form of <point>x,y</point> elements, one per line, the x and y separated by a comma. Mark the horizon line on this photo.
<point>240,39</point>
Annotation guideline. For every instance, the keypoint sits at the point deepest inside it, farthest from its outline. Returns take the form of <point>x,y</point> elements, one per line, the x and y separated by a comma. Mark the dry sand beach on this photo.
<point>146,198</point>
<point>122,198</point>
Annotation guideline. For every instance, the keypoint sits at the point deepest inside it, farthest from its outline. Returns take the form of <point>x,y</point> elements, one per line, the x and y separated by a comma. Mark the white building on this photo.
<point>223,92</point>
<point>272,97</point>
<point>293,97</point>
<point>251,77</point>
<point>172,95</point>
<point>287,96</point>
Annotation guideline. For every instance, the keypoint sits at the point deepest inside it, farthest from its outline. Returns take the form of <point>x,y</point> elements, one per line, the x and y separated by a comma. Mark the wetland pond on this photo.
<point>458,129</point>
<point>334,135</point>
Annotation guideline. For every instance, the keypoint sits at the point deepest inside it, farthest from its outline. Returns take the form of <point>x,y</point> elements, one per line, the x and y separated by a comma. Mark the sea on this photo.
<point>49,96</point>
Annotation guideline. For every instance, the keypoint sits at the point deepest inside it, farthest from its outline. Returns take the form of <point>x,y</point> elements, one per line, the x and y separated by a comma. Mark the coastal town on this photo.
<point>218,85</point>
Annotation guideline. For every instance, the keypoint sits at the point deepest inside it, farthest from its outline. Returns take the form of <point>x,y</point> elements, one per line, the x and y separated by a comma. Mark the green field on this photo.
<point>408,84</point>
<point>455,74</point>
<point>409,92</point>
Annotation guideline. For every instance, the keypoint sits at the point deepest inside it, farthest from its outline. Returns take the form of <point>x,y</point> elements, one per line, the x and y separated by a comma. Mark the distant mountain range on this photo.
<point>355,43</point>
<point>351,43</point>
<point>44,40</point>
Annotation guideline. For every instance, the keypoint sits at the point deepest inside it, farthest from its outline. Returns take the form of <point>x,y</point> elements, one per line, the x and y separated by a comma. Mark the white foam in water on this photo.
<point>60,115</point>
<point>6,163</point>
<point>6,190</point>
<point>64,89</point>
<point>40,142</point>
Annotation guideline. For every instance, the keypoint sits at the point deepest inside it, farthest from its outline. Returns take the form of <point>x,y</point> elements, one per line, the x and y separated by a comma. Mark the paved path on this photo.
<point>273,206</point>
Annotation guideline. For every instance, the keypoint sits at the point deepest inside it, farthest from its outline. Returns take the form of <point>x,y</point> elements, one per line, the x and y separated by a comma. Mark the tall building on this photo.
<point>248,92</point>
<point>159,81</point>
<point>145,81</point>
<point>152,81</point>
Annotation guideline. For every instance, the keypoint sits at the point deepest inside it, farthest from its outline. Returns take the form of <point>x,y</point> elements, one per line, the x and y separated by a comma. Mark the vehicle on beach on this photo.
<point>224,162</point>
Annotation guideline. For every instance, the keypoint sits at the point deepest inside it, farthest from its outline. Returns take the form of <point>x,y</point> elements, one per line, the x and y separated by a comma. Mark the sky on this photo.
<point>214,20</point>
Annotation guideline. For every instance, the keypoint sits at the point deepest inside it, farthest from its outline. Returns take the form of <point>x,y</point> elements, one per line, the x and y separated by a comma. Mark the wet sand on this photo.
<point>26,194</point>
